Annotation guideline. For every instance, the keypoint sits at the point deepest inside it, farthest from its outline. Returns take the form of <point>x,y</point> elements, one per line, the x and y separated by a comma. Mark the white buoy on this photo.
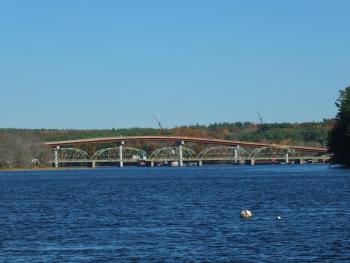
<point>246,214</point>
<point>279,218</point>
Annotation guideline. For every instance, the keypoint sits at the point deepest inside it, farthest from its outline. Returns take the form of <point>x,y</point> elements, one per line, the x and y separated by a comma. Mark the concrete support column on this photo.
<point>179,144</point>
<point>121,163</point>
<point>287,158</point>
<point>56,156</point>
<point>200,163</point>
<point>93,164</point>
<point>236,154</point>
<point>180,156</point>
<point>152,163</point>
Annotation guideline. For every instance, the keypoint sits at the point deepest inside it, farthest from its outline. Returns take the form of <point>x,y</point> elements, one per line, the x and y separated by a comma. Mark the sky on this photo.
<point>112,64</point>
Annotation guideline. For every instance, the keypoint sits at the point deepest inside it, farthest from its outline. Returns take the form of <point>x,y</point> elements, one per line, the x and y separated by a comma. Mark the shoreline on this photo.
<point>42,169</point>
<point>90,168</point>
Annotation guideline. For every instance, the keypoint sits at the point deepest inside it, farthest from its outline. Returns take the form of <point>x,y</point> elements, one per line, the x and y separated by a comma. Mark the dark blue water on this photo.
<point>176,215</point>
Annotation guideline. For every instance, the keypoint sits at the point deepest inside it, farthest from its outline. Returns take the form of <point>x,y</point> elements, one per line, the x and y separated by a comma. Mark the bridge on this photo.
<point>213,150</point>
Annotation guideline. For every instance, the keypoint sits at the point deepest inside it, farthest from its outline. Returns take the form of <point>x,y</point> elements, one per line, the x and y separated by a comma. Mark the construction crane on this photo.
<point>260,117</point>
<point>158,121</point>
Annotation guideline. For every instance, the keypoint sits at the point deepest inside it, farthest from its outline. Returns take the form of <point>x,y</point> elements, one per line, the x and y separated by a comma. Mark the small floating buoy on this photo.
<point>246,214</point>
<point>279,218</point>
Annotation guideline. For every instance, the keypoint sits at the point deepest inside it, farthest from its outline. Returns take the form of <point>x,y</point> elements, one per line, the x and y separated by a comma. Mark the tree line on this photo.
<point>308,133</point>
<point>24,147</point>
<point>339,137</point>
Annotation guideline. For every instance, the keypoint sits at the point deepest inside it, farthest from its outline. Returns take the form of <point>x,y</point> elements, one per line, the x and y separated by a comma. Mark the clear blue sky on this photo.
<point>105,64</point>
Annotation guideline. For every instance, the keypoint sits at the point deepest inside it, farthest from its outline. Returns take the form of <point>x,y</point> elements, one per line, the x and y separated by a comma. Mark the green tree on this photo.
<point>339,136</point>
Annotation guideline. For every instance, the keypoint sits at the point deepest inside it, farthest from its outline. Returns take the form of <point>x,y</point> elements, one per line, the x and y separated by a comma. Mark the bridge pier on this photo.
<point>200,163</point>
<point>121,163</point>
<point>152,163</point>
<point>56,156</point>
<point>179,145</point>
<point>180,156</point>
<point>250,162</point>
<point>299,161</point>
<point>287,158</point>
<point>236,154</point>
<point>93,164</point>
<point>322,160</point>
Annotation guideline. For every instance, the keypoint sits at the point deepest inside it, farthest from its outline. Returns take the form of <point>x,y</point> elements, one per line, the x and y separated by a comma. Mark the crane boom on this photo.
<point>260,117</point>
<point>158,121</point>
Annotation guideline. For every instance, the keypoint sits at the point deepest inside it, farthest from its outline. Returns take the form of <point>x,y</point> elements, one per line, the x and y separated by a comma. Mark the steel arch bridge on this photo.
<point>215,150</point>
<point>71,155</point>
<point>114,154</point>
<point>268,153</point>
<point>223,153</point>
<point>172,154</point>
<point>171,139</point>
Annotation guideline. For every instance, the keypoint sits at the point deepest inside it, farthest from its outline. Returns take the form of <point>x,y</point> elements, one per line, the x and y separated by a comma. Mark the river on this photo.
<point>165,214</point>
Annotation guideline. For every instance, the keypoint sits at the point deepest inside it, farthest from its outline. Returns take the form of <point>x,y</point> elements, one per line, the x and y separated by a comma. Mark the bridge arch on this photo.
<point>223,153</point>
<point>172,154</point>
<point>112,154</point>
<point>71,155</point>
<point>272,152</point>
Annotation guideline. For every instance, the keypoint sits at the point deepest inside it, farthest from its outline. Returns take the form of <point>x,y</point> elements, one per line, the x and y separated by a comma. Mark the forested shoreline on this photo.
<point>307,133</point>
<point>339,136</point>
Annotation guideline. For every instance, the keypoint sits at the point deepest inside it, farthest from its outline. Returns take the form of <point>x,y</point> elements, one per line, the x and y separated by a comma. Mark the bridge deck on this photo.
<point>195,159</point>
<point>180,138</point>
